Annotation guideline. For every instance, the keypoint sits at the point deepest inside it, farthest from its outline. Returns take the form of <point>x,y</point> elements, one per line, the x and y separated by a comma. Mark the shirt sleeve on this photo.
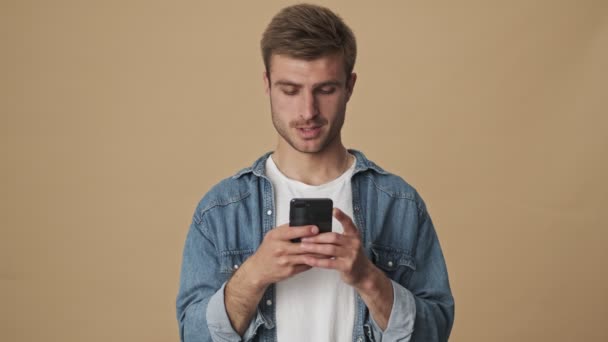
<point>201,312</point>
<point>430,286</point>
<point>219,322</point>
<point>401,321</point>
<point>425,298</point>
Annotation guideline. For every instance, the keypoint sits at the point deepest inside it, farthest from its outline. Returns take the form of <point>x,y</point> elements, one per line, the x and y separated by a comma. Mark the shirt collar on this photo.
<point>362,164</point>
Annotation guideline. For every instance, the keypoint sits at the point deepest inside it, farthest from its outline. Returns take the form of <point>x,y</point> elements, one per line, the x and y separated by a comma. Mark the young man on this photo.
<point>378,276</point>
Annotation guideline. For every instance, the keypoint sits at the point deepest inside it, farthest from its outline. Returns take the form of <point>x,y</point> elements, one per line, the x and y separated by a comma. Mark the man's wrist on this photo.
<point>376,290</point>
<point>249,279</point>
<point>373,283</point>
<point>241,297</point>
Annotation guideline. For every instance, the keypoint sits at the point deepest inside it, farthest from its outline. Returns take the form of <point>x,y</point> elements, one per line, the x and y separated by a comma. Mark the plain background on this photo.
<point>117,116</point>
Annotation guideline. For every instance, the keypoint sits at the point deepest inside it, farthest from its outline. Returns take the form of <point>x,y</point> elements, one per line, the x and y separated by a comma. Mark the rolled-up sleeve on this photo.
<point>219,322</point>
<point>423,305</point>
<point>401,321</point>
<point>201,312</point>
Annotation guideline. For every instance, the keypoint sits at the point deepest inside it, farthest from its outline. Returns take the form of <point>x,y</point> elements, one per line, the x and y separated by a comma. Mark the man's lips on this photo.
<point>309,132</point>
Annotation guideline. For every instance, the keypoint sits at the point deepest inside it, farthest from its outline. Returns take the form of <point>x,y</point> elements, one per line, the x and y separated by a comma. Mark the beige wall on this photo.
<point>117,116</point>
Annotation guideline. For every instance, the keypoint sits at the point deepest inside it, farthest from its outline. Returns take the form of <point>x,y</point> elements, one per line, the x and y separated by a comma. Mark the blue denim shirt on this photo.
<point>397,233</point>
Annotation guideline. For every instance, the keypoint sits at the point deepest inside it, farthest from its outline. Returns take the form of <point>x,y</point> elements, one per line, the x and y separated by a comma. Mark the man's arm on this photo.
<point>430,286</point>
<point>198,283</point>
<point>209,309</point>
<point>425,308</point>
<point>276,259</point>
<point>201,312</point>
<point>241,297</point>
<point>424,312</point>
<point>375,288</point>
<point>376,291</point>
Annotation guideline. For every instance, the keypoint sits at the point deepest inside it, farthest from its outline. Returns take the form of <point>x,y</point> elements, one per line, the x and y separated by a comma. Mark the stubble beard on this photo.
<point>326,140</point>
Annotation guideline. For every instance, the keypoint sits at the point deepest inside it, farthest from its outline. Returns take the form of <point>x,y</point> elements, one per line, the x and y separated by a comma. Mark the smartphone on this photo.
<point>311,211</point>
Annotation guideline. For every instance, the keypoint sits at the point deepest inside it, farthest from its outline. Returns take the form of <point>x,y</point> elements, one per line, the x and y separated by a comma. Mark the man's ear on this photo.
<point>350,85</point>
<point>266,82</point>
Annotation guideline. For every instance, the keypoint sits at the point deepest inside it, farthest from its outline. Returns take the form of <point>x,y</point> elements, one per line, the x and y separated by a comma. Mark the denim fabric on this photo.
<point>397,233</point>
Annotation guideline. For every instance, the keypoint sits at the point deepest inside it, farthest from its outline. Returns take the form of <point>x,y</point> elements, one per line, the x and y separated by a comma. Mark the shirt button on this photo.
<point>390,264</point>
<point>360,339</point>
<point>269,302</point>
<point>269,212</point>
<point>236,267</point>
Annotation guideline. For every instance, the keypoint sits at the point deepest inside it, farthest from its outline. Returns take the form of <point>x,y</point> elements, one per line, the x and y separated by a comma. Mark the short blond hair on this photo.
<point>308,32</point>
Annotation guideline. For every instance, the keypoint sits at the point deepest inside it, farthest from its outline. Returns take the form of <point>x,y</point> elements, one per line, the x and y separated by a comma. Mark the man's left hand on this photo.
<point>344,252</point>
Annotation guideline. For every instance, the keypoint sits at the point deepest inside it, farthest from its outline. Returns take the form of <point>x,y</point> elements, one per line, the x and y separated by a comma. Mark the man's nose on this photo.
<point>309,109</point>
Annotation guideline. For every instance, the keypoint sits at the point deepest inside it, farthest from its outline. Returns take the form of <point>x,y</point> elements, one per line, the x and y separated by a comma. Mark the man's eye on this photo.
<point>289,92</point>
<point>327,90</point>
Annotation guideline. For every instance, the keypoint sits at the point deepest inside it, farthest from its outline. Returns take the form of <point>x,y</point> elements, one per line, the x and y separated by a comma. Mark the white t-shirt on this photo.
<point>315,305</point>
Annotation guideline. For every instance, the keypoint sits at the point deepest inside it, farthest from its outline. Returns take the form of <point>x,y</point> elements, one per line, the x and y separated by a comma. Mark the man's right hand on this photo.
<point>276,259</point>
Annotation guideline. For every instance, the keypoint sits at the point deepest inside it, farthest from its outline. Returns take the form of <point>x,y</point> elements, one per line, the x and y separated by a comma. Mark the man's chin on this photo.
<point>308,147</point>
<point>309,150</point>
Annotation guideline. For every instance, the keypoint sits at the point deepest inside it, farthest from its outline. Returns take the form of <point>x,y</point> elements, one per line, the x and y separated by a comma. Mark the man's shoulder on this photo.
<point>385,181</point>
<point>232,189</point>
<point>390,184</point>
<point>228,190</point>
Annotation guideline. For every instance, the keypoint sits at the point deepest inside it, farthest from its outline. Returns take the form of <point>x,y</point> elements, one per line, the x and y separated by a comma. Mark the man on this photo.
<point>379,275</point>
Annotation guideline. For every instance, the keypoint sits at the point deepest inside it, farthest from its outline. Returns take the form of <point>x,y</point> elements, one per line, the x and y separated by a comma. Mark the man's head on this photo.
<point>308,32</point>
<point>309,54</point>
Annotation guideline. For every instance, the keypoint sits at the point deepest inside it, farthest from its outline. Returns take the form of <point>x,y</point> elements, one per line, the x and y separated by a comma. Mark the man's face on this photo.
<point>308,100</point>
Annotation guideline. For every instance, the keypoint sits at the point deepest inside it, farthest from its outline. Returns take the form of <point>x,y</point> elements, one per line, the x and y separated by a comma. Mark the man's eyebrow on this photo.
<point>286,83</point>
<point>316,85</point>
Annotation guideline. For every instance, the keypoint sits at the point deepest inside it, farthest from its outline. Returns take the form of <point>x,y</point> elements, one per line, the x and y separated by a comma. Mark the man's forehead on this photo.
<point>324,67</point>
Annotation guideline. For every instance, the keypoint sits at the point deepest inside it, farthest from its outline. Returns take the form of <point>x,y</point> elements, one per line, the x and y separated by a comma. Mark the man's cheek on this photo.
<point>283,102</point>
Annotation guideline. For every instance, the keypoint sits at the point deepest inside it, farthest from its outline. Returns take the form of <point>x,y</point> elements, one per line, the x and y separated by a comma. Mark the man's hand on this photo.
<point>344,253</point>
<point>276,259</point>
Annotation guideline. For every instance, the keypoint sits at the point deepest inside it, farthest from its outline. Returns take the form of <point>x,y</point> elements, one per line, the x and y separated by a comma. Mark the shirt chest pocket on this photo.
<point>397,264</point>
<point>231,260</point>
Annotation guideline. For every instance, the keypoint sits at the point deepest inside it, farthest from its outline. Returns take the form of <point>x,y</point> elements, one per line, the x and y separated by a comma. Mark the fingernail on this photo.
<point>314,229</point>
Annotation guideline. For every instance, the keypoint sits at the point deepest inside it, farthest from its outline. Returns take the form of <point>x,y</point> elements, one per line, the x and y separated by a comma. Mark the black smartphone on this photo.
<point>311,211</point>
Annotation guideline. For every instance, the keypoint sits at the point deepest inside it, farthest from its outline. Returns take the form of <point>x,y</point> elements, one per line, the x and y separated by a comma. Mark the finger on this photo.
<point>346,221</point>
<point>323,249</point>
<point>286,233</point>
<point>333,238</point>
<point>333,264</point>
<point>318,256</point>
<point>290,249</point>
<point>302,259</point>
<point>300,268</point>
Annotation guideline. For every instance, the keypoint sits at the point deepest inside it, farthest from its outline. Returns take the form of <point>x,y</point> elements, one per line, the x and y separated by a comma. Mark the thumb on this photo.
<point>346,221</point>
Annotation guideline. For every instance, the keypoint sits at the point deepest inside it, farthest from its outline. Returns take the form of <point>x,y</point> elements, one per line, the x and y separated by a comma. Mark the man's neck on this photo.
<point>312,168</point>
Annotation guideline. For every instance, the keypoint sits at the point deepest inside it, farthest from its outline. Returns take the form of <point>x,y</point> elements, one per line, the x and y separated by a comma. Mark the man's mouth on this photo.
<point>309,132</point>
